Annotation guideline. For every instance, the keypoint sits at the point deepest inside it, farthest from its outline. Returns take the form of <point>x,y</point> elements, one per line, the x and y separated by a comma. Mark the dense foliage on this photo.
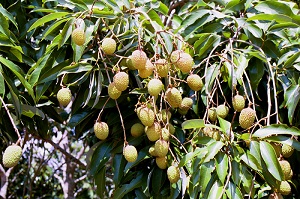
<point>247,47</point>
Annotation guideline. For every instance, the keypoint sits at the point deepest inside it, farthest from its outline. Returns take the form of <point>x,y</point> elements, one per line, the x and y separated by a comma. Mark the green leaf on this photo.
<point>47,18</point>
<point>2,85</point>
<point>279,18</point>
<point>120,192</point>
<point>118,164</point>
<point>77,118</point>
<point>233,191</point>
<point>193,124</point>
<point>8,15</point>
<point>213,149</point>
<point>251,161</point>
<point>100,156</point>
<point>222,166</point>
<point>284,140</point>
<point>157,180</point>
<point>216,190</point>
<point>276,129</point>
<point>199,153</point>
<point>31,111</point>
<point>100,182</point>
<point>269,157</point>
<point>205,174</point>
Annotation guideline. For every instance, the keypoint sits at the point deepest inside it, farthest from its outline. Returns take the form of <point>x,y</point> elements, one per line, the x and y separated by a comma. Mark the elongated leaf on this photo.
<point>120,192</point>
<point>118,164</point>
<point>193,124</point>
<point>47,18</point>
<point>251,161</point>
<point>31,111</point>
<point>233,192</point>
<point>269,157</point>
<point>100,156</point>
<point>216,190</point>
<point>199,153</point>
<point>284,140</point>
<point>205,174</point>
<point>213,149</point>
<point>279,18</point>
<point>2,85</point>
<point>222,166</point>
<point>8,15</point>
<point>79,117</point>
<point>276,129</point>
<point>100,182</point>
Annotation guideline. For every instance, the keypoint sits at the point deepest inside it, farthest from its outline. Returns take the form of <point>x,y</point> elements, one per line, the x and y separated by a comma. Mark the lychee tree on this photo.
<point>176,99</point>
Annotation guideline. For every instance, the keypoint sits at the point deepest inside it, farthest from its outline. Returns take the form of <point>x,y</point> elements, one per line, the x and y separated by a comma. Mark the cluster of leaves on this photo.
<point>249,47</point>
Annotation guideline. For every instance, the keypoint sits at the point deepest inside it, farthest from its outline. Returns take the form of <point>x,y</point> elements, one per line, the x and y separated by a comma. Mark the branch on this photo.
<point>71,157</point>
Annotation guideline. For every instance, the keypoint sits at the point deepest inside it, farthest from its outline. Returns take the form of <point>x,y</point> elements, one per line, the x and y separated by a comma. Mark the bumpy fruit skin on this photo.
<point>277,149</point>
<point>287,150</point>
<point>285,188</point>
<point>78,36</point>
<point>129,63</point>
<point>161,147</point>
<point>186,103</point>
<point>238,103</point>
<point>222,111</point>
<point>165,115</point>
<point>213,133</point>
<point>139,59</point>
<point>109,46</point>
<point>147,71</point>
<point>165,134</point>
<point>101,130</point>
<point>212,114</point>
<point>162,67</point>
<point>152,151</point>
<point>286,168</point>
<point>11,156</point>
<point>173,97</point>
<point>161,162</point>
<point>146,115</point>
<point>153,132</point>
<point>173,174</point>
<point>121,80</point>
<point>137,129</point>
<point>194,81</point>
<point>171,128</point>
<point>155,86</point>
<point>113,92</point>
<point>130,153</point>
<point>247,117</point>
<point>64,96</point>
<point>185,62</point>
<point>175,55</point>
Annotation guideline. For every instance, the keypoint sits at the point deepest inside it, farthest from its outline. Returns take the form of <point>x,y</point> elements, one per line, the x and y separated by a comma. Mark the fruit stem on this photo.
<point>122,123</point>
<point>98,118</point>
<point>11,120</point>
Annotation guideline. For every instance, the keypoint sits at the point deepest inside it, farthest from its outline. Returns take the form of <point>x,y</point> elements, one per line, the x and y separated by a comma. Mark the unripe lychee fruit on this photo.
<point>161,147</point>
<point>173,97</point>
<point>171,128</point>
<point>129,63</point>
<point>165,115</point>
<point>277,149</point>
<point>186,103</point>
<point>152,151</point>
<point>101,130</point>
<point>287,150</point>
<point>173,174</point>
<point>139,59</point>
<point>64,96</point>
<point>11,156</point>
<point>285,188</point>
<point>78,36</point>
<point>165,134</point>
<point>161,162</point>
<point>130,153</point>
<point>212,114</point>
<point>185,62</point>
<point>121,80</point>
<point>153,132</point>
<point>247,117</point>
<point>155,86</point>
<point>238,103</point>
<point>113,92</point>
<point>286,168</point>
<point>147,71</point>
<point>137,129</point>
<point>146,115</point>
<point>109,46</point>
<point>222,111</point>
<point>162,67</point>
<point>194,81</point>
<point>175,55</point>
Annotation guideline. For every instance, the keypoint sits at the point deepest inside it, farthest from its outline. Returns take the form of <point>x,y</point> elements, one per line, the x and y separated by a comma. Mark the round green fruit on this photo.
<point>11,156</point>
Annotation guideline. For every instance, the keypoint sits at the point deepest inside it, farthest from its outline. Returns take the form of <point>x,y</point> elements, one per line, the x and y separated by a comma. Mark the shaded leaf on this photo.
<point>276,129</point>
